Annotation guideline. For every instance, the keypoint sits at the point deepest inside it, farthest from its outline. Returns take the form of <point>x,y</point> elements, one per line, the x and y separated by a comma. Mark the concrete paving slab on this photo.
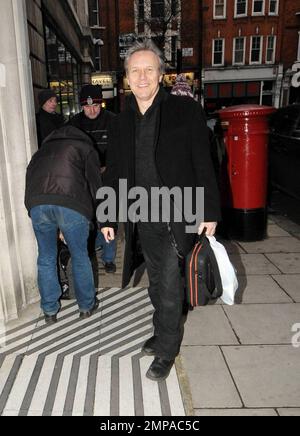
<point>286,263</point>
<point>274,230</point>
<point>266,376</point>
<point>289,412</point>
<point>286,224</point>
<point>273,245</point>
<point>264,323</point>
<point>253,264</point>
<point>236,412</point>
<point>291,284</point>
<point>209,378</point>
<point>260,289</point>
<point>208,326</point>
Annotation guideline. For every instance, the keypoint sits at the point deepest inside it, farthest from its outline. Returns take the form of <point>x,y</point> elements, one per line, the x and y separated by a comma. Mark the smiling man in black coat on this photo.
<point>160,140</point>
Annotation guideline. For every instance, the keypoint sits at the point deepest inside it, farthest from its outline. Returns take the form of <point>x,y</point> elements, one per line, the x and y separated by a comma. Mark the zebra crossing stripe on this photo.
<point>90,367</point>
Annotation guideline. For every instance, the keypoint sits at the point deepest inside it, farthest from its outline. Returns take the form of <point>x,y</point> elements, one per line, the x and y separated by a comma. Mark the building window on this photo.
<point>175,7</point>
<point>63,74</point>
<point>256,49</point>
<point>218,52</point>
<point>157,9</point>
<point>219,9</point>
<point>141,10</point>
<point>298,55</point>
<point>94,13</point>
<point>241,8</point>
<point>174,51</point>
<point>271,49</point>
<point>239,51</point>
<point>274,7</point>
<point>258,7</point>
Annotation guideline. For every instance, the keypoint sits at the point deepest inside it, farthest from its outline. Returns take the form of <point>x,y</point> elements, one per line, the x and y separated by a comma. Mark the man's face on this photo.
<point>50,105</point>
<point>92,112</point>
<point>144,76</point>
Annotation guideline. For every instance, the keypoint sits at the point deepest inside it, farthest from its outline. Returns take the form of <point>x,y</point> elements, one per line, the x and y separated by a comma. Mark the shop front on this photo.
<point>219,95</point>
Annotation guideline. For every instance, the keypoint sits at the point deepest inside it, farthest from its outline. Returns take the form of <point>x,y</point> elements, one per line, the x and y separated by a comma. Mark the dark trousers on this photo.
<point>166,288</point>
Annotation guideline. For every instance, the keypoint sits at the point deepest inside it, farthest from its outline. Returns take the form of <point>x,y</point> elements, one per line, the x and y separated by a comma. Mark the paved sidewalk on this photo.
<point>240,360</point>
<point>234,360</point>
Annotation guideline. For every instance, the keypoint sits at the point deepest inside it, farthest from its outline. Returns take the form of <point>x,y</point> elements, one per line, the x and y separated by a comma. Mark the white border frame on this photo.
<point>234,47</point>
<point>261,48</point>
<point>240,15</point>
<point>225,11</point>
<point>213,52</point>
<point>259,14</point>
<point>274,49</point>
<point>274,14</point>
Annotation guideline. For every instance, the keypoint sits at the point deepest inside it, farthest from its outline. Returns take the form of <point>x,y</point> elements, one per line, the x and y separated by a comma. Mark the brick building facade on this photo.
<point>122,21</point>
<point>242,49</point>
<point>245,49</point>
<point>290,51</point>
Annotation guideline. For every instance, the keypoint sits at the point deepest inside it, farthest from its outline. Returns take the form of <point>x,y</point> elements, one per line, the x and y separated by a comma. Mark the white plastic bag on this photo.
<point>227,271</point>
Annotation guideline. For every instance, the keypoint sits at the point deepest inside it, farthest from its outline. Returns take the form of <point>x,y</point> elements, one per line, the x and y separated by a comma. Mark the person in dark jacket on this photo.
<point>61,184</point>
<point>97,123</point>
<point>160,140</point>
<point>47,119</point>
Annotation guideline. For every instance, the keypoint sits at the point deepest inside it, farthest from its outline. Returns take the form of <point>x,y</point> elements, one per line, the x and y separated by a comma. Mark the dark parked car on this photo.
<point>285,150</point>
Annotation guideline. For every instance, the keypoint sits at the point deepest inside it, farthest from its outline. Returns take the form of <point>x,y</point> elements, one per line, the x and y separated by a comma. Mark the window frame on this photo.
<point>223,52</point>
<point>236,15</point>
<point>259,14</point>
<point>251,49</point>
<point>277,8</point>
<point>224,16</point>
<point>141,8</point>
<point>96,13</point>
<point>274,49</point>
<point>158,17</point>
<point>234,50</point>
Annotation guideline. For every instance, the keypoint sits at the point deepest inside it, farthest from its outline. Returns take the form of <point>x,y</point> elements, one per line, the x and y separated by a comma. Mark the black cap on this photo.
<point>91,94</point>
<point>45,96</point>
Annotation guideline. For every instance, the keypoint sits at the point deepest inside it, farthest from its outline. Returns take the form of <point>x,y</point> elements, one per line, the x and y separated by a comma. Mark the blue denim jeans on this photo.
<point>108,249</point>
<point>46,220</point>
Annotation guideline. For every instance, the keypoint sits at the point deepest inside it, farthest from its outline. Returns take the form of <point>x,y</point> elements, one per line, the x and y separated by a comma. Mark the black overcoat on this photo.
<point>182,156</point>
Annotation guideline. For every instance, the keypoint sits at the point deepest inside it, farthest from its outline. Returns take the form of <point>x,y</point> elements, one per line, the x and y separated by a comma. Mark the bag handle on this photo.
<point>201,237</point>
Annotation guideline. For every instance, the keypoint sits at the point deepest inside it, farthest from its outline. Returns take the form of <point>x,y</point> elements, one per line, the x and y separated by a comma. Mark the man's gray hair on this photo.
<point>145,45</point>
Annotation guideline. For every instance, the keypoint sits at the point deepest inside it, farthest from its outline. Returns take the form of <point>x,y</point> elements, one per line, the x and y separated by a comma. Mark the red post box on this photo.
<point>245,172</point>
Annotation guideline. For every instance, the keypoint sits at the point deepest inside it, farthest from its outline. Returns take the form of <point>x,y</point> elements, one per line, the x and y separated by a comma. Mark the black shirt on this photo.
<point>98,130</point>
<point>146,174</point>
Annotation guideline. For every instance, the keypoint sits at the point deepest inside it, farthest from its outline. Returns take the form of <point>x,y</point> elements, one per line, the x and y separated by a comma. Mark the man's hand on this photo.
<point>211,228</point>
<point>109,234</point>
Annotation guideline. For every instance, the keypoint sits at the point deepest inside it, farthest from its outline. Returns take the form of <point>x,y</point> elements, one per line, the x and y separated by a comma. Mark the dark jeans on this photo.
<point>109,249</point>
<point>166,288</point>
<point>46,220</point>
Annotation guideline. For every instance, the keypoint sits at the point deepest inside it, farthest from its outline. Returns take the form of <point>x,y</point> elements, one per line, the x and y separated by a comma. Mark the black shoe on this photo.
<point>159,369</point>
<point>110,267</point>
<point>85,315</point>
<point>148,348</point>
<point>50,319</point>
